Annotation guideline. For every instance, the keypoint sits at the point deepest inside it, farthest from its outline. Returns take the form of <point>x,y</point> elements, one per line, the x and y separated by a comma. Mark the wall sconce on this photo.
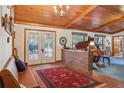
<point>7,22</point>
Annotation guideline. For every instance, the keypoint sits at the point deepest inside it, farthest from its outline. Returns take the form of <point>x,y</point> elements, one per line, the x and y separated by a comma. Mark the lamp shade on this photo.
<point>92,43</point>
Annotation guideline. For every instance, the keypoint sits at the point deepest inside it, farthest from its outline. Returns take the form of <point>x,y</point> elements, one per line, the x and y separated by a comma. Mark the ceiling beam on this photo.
<point>119,18</point>
<point>81,15</point>
<point>117,31</point>
<point>87,30</point>
<point>35,24</point>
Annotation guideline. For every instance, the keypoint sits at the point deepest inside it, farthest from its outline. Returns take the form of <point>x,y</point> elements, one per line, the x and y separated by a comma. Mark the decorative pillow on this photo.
<point>20,65</point>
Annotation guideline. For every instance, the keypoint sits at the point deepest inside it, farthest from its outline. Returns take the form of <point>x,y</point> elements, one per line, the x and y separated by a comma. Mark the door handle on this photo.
<point>42,50</point>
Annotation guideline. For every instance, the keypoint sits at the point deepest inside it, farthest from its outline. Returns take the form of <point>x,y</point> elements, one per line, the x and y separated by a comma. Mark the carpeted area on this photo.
<point>115,70</point>
<point>64,77</point>
<point>117,60</point>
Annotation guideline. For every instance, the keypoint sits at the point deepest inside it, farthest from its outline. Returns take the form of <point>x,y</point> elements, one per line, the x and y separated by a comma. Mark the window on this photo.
<point>77,37</point>
<point>99,41</point>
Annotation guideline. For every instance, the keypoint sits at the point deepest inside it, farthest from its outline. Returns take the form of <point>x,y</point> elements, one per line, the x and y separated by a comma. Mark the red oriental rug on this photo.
<point>64,77</point>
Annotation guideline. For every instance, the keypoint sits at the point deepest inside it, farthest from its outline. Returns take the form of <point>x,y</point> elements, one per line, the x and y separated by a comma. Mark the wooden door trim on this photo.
<point>34,31</point>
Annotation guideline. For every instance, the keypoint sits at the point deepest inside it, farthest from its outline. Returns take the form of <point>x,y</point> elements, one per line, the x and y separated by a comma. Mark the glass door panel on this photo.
<point>49,47</point>
<point>33,47</point>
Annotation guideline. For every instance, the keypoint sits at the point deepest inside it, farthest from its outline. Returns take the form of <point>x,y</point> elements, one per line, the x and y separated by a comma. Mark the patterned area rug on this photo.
<point>64,77</point>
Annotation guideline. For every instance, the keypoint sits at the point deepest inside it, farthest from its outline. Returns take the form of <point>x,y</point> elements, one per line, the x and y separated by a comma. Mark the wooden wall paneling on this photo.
<point>83,13</point>
<point>43,14</point>
<point>109,23</point>
<point>36,24</point>
<point>120,30</point>
<point>93,18</point>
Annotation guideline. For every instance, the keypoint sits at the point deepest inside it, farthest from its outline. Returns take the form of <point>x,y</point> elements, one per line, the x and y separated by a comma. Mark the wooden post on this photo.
<point>90,65</point>
<point>13,37</point>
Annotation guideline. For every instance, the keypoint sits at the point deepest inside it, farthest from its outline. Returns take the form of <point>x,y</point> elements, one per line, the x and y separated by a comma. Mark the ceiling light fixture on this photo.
<point>61,10</point>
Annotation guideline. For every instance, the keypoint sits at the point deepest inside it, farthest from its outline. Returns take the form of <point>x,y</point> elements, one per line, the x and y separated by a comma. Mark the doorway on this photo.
<point>40,47</point>
<point>118,46</point>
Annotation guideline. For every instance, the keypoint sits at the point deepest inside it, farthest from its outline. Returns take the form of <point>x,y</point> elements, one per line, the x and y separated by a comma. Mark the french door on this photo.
<point>40,47</point>
<point>118,46</point>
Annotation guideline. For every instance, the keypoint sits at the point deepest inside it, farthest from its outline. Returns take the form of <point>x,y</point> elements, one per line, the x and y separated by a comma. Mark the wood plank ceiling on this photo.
<point>101,18</point>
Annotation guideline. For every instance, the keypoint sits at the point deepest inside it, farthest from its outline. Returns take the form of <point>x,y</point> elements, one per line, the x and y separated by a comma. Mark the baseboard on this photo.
<point>44,63</point>
<point>58,60</point>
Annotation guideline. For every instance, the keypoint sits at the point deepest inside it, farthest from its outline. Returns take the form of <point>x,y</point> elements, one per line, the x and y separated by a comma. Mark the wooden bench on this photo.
<point>26,78</point>
<point>14,79</point>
